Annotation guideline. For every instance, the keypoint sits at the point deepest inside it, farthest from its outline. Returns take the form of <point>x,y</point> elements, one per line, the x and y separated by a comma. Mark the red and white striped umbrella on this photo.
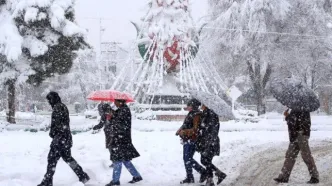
<point>110,95</point>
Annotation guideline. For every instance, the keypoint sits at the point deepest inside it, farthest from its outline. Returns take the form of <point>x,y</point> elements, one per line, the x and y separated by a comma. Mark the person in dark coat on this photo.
<point>105,121</point>
<point>61,141</point>
<point>122,148</point>
<point>299,128</point>
<point>208,144</point>
<point>188,133</point>
<point>100,108</point>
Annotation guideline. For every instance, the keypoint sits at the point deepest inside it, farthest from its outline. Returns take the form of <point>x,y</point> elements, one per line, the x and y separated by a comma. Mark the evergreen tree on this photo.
<point>40,41</point>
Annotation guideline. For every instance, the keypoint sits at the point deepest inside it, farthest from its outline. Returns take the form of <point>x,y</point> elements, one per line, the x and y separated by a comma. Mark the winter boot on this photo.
<point>188,180</point>
<point>281,180</point>
<point>209,182</point>
<point>136,179</point>
<point>203,177</point>
<point>221,176</point>
<point>313,180</point>
<point>85,178</point>
<point>113,183</point>
<point>46,182</point>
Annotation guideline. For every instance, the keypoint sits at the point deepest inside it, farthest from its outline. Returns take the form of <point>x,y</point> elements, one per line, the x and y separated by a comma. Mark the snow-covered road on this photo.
<point>250,157</point>
<point>260,169</point>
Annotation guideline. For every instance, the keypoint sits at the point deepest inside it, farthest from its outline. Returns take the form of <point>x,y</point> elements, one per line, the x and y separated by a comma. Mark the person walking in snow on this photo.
<point>122,148</point>
<point>208,144</point>
<point>61,141</point>
<point>105,121</point>
<point>188,133</point>
<point>299,127</point>
<point>100,108</point>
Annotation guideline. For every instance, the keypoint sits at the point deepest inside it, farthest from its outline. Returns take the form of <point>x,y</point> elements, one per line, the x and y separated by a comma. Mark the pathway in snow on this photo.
<point>262,167</point>
<point>251,154</point>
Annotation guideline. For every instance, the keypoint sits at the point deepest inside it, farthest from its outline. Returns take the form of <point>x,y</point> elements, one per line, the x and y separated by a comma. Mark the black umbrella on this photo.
<point>294,94</point>
<point>215,103</point>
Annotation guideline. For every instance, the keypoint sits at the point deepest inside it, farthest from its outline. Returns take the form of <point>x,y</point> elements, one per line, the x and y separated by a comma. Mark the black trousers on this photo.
<point>65,153</point>
<point>206,160</point>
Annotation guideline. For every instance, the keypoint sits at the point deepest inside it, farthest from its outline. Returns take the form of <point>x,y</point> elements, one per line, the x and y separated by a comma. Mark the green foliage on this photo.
<point>60,55</point>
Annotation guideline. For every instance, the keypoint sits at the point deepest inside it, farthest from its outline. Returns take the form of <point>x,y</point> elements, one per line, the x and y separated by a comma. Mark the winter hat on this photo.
<point>53,98</point>
<point>106,108</point>
<point>194,103</point>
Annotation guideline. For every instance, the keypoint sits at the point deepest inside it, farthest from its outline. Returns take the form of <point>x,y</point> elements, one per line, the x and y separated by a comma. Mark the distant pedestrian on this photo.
<point>299,128</point>
<point>105,121</point>
<point>121,146</point>
<point>188,133</point>
<point>61,141</point>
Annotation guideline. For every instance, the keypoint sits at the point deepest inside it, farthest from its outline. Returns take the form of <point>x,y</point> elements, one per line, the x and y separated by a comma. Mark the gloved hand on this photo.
<point>178,132</point>
<point>286,113</point>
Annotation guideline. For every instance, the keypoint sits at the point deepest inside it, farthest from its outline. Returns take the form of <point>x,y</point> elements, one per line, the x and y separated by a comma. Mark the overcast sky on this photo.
<point>117,15</point>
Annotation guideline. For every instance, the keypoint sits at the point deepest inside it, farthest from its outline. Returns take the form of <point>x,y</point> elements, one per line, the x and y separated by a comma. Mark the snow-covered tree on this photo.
<point>308,55</point>
<point>39,41</point>
<point>83,75</point>
<point>50,36</point>
<point>238,34</point>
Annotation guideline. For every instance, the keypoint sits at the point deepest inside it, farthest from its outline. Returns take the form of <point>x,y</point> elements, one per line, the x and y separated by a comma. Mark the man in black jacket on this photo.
<point>208,144</point>
<point>299,124</point>
<point>61,141</point>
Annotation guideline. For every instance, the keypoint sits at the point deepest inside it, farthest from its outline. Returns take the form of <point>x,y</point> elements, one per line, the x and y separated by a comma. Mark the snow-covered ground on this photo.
<point>251,154</point>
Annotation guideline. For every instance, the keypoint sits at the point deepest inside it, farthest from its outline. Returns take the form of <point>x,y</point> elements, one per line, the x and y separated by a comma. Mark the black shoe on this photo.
<point>113,183</point>
<point>85,178</point>
<point>221,176</point>
<point>136,179</point>
<point>209,182</point>
<point>188,180</point>
<point>203,177</point>
<point>46,183</point>
<point>313,180</point>
<point>281,180</point>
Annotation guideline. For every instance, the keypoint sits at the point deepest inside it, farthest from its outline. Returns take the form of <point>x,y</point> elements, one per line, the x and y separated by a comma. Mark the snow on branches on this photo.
<point>168,20</point>
<point>43,22</point>
<point>40,33</point>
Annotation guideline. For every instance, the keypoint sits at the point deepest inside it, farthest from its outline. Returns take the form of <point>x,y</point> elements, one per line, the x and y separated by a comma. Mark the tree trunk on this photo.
<point>259,82</point>
<point>11,101</point>
<point>84,93</point>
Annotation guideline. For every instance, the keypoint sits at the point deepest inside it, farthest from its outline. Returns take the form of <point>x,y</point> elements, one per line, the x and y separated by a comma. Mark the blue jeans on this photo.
<point>117,167</point>
<point>188,158</point>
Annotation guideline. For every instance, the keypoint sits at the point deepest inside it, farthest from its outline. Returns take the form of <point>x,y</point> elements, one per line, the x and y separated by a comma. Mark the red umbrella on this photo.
<point>110,95</point>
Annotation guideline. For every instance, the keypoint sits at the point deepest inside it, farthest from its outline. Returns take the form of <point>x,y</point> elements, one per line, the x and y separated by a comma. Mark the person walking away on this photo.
<point>122,148</point>
<point>61,142</point>
<point>299,127</point>
<point>208,144</point>
<point>105,121</point>
<point>188,133</point>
